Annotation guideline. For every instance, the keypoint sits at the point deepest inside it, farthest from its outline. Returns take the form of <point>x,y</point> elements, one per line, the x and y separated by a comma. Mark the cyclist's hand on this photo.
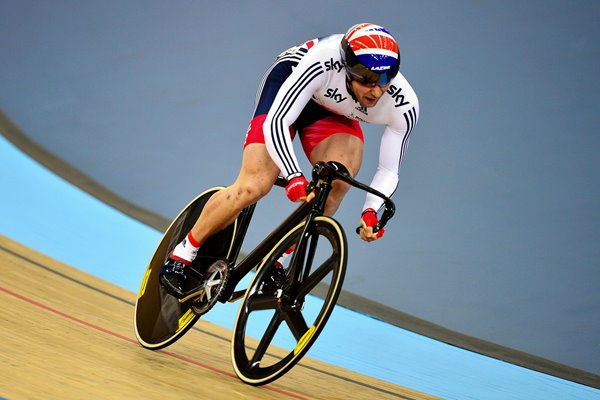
<point>296,189</point>
<point>367,221</point>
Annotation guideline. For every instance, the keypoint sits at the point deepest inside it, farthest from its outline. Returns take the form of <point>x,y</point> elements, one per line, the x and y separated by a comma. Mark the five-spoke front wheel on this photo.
<point>277,323</point>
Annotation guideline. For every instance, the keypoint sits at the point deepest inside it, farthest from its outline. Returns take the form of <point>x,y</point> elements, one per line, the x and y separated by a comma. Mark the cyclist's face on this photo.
<point>367,94</point>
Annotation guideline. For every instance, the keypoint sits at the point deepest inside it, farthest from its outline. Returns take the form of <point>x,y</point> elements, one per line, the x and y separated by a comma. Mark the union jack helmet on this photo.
<point>370,54</point>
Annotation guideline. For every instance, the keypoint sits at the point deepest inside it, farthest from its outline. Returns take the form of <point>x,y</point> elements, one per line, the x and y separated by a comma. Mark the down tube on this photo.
<point>251,260</point>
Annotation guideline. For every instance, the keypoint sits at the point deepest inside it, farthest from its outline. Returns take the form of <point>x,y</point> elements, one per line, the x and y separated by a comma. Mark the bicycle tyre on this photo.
<point>159,318</point>
<point>269,361</point>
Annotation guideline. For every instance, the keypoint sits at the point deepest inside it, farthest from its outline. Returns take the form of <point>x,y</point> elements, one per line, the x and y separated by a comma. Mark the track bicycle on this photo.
<point>278,319</point>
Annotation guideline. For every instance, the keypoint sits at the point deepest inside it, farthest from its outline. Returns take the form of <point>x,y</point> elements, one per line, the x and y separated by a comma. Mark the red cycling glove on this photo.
<point>296,188</point>
<point>369,217</point>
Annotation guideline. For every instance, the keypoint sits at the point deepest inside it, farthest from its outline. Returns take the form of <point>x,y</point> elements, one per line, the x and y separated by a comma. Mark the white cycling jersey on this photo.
<point>320,76</point>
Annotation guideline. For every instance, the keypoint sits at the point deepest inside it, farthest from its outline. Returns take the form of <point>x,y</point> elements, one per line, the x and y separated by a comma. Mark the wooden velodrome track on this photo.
<point>69,335</point>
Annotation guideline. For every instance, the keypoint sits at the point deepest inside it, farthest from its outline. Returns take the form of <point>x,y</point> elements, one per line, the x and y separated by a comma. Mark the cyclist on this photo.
<point>320,90</point>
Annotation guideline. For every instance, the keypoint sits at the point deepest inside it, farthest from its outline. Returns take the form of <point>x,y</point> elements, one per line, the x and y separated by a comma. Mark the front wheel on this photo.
<point>288,316</point>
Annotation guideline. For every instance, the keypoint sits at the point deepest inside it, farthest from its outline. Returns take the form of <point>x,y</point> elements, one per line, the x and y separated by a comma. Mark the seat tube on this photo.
<point>244,222</point>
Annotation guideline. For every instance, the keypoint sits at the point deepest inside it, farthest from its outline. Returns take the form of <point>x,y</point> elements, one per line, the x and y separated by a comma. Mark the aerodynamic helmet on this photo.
<point>370,54</point>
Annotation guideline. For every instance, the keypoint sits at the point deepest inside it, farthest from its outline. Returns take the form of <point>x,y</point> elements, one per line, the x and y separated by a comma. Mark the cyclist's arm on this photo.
<point>391,152</point>
<point>292,97</point>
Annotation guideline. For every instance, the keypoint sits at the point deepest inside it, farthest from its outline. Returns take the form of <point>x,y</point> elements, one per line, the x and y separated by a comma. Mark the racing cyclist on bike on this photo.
<point>319,90</point>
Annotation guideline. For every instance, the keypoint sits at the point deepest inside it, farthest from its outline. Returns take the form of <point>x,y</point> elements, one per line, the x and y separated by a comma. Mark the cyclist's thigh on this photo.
<point>258,170</point>
<point>346,149</point>
<point>335,139</point>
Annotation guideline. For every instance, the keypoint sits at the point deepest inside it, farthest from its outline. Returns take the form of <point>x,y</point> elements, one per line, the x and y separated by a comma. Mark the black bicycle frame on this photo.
<point>323,175</point>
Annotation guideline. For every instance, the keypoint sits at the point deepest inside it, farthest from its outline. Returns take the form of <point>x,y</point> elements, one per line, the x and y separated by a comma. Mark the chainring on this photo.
<point>216,280</point>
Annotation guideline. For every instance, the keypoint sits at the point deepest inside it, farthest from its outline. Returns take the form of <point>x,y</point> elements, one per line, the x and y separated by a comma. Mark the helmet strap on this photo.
<point>349,88</point>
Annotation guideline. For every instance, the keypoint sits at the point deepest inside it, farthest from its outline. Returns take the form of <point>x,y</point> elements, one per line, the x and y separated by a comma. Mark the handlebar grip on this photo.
<point>388,213</point>
<point>376,229</point>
